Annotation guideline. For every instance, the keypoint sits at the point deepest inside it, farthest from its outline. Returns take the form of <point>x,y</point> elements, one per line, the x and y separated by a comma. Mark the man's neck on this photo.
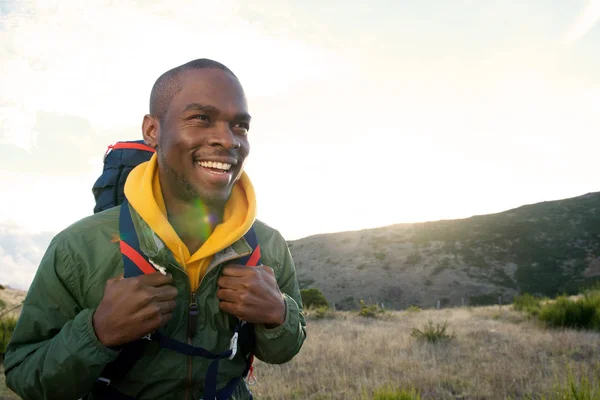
<point>193,223</point>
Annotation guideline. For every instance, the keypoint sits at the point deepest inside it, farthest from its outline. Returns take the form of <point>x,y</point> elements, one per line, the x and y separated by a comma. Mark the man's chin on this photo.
<point>213,198</point>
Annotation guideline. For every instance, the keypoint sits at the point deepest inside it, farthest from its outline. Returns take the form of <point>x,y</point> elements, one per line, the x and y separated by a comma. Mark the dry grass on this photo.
<point>494,355</point>
<point>5,393</point>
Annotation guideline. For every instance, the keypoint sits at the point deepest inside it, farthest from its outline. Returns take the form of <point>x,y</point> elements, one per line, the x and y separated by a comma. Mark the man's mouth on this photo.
<point>214,166</point>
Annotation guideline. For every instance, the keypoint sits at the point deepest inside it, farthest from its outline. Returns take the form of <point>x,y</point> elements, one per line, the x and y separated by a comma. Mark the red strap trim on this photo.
<point>132,146</point>
<point>137,259</point>
<point>251,370</point>
<point>254,257</point>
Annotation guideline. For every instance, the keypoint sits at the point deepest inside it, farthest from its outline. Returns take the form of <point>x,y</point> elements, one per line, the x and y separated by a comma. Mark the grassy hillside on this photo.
<point>545,248</point>
<point>492,354</point>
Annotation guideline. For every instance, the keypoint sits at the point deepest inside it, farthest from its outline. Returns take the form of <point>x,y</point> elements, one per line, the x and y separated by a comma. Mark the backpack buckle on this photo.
<point>147,337</point>
<point>106,381</point>
<point>160,269</point>
<point>233,345</point>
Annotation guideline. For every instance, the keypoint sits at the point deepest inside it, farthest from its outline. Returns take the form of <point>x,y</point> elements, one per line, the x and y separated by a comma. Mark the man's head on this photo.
<point>198,123</point>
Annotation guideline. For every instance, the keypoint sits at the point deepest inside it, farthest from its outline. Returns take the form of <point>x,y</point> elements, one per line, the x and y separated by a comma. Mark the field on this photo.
<point>492,353</point>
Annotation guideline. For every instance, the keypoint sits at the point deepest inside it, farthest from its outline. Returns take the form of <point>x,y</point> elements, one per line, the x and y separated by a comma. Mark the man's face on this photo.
<point>202,142</point>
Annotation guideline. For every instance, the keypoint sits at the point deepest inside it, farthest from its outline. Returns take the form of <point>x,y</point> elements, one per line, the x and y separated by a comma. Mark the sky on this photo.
<point>364,115</point>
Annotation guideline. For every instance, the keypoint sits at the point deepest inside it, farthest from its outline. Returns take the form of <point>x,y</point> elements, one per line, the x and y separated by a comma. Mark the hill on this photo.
<point>545,248</point>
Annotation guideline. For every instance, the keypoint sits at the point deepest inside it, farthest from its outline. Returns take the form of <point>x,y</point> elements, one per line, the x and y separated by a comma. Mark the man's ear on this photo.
<point>151,130</point>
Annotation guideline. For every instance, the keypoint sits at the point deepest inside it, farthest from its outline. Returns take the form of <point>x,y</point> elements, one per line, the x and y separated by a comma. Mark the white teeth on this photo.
<point>215,165</point>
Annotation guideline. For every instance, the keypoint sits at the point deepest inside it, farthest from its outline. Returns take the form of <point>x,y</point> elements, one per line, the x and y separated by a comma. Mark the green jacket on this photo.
<point>55,354</point>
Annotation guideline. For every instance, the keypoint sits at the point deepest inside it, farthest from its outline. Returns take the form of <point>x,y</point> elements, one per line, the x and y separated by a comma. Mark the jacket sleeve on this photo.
<point>54,352</point>
<point>279,345</point>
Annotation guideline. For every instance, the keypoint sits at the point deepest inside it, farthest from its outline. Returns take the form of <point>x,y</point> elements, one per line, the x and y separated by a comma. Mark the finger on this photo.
<point>165,318</point>
<point>227,295</point>
<point>163,293</point>
<point>154,311</point>
<point>269,270</point>
<point>235,270</point>
<point>230,308</point>
<point>156,279</point>
<point>228,282</point>
<point>167,307</point>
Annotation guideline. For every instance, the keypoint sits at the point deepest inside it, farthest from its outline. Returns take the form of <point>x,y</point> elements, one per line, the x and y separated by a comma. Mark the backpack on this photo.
<point>119,160</point>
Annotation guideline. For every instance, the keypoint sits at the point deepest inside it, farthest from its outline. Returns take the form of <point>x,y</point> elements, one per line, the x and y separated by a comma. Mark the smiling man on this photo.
<point>83,329</point>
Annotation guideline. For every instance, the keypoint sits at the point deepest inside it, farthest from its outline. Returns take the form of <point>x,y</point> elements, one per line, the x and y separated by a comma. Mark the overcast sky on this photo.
<point>364,114</point>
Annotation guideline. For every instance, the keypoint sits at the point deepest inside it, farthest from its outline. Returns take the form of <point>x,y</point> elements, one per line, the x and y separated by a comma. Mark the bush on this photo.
<point>432,333</point>
<point>583,313</point>
<point>320,313</point>
<point>527,303</point>
<point>7,326</point>
<point>313,298</point>
<point>580,389</point>
<point>370,310</point>
<point>576,389</point>
<point>413,308</point>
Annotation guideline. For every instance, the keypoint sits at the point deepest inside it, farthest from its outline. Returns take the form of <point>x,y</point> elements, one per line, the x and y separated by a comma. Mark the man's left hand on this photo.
<point>251,294</point>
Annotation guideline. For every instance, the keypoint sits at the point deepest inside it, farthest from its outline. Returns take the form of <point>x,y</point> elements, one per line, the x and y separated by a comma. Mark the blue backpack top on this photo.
<point>120,159</point>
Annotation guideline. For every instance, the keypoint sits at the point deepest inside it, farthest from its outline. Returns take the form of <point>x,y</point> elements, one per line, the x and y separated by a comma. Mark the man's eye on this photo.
<point>201,117</point>
<point>243,125</point>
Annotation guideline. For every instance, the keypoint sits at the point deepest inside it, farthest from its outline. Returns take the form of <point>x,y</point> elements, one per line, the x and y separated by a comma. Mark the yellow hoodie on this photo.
<point>144,193</point>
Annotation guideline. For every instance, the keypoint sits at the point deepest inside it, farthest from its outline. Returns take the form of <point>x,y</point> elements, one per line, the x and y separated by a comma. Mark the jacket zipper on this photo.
<point>193,316</point>
<point>192,321</point>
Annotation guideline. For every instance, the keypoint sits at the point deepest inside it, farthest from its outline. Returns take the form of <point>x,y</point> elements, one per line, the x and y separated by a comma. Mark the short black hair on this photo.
<point>167,85</point>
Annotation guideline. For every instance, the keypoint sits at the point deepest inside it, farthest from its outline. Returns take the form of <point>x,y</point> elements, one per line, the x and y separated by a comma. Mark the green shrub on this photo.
<point>432,333</point>
<point>321,313</point>
<point>7,326</point>
<point>313,298</point>
<point>369,310</point>
<point>576,389</point>
<point>581,389</point>
<point>527,303</point>
<point>583,313</point>
<point>413,308</point>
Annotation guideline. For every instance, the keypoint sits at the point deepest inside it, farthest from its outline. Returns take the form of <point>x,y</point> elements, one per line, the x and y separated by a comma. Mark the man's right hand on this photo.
<point>134,307</point>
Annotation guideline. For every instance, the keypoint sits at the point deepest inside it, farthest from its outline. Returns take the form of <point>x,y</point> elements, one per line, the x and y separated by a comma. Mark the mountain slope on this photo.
<point>544,248</point>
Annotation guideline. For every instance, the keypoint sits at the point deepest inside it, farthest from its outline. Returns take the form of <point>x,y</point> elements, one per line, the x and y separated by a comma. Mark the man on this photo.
<point>191,206</point>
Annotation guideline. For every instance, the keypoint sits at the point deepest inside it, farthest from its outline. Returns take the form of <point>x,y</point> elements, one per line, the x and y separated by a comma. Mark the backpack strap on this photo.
<point>135,263</point>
